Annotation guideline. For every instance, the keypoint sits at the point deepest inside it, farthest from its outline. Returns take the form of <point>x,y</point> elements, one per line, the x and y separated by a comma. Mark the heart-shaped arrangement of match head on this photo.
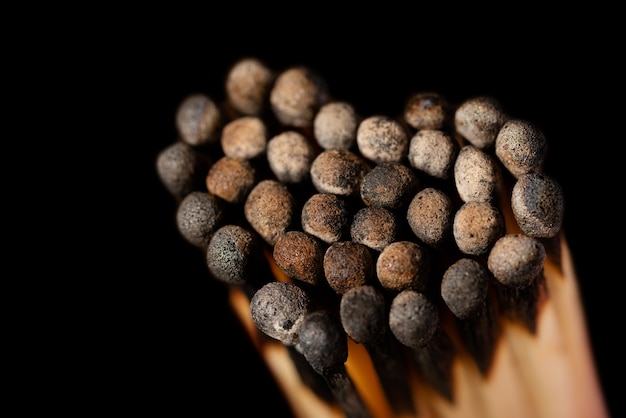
<point>431,241</point>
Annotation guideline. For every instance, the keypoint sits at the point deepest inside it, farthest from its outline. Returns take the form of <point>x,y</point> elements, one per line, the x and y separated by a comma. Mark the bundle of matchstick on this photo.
<point>385,265</point>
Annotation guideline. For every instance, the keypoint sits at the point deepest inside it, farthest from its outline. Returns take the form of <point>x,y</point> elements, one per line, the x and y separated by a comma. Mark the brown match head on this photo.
<point>278,310</point>
<point>427,110</point>
<point>477,226</point>
<point>375,227</point>
<point>290,155</point>
<point>537,203</point>
<point>198,120</point>
<point>338,171</point>
<point>198,215</point>
<point>362,311</point>
<point>382,139</point>
<point>521,147</point>
<point>300,256</point>
<point>433,152</point>
<point>347,264</point>
<point>464,287</point>
<point>335,125</point>
<point>389,185</point>
<point>413,318</point>
<point>326,216</point>
<point>244,138</point>
<point>232,254</point>
<point>269,208</point>
<point>476,175</point>
<point>181,169</point>
<point>297,95</point>
<point>248,84</point>
<point>479,120</point>
<point>231,179</point>
<point>516,260</point>
<point>430,216</point>
<point>403,265</point>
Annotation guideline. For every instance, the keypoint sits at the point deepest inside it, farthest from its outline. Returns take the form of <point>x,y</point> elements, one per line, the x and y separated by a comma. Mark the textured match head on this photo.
<point>198,216</point>
<point>278,310</point>
<point>427,110</point>
<point>403,265</point>
<point>248,84</point>
<point>363,313</point>
<point>389,185</point>
<point>233,255</point>
<point>375,227</point>
<point>476,226</point>
<point>430,216</point>
<point>323,342</point>
<point>479,120</point>
<point>516,260</point>
<point>413,318</point>
<point>181,168</point>
<point>537,203</point>
<point>464,287</point>
<point>199,120</point>
<point>231,179</point>
<point>290,155</point>
<point>382,139</point>
<point>296,96</point>
<point>244,138</point>
<point>433,152</point>
<point>335,125</point>
<point>521,147</point>
<point>476,175</point>
<point>300,256</point>
<point>269,209</point>
<point>338,171</point>
<point>326,216</point>
<point>347,264</point>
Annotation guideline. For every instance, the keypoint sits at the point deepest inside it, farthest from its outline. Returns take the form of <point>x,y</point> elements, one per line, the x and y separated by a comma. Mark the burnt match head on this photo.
<point>426,110</point>
<point>476,175</point>
<point>296,96</point>
<point>464,287</point>
<point>347,264</point>
<point>269,209</point>
<point>479,120</point>
<point>521,147</point>
<point>382,139</point>
<point>413,318</point>
<point>232,254</point>
<point>231,179</point>
<point>375,227</point>
<point>335,125</point>
<point>278,310</point>
<point>403,265</point>
<point>300,256</point>
<point>537,204</point>
<point>198,215</point>
<point>181,169</point>
<point>323,341</point>
<point>433,152</point>
<point>326,216</point>
<point>476,226</point>
<point>430,216</point>
<point>516,260</point>
<point>338,171</point>
<point>198,120</point>
<point>363,313</point>
<point>389,185</point>
<point>248,84</point>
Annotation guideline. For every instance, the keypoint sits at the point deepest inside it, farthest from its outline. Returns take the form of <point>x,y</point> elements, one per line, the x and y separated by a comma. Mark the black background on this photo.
<point>177,348</point>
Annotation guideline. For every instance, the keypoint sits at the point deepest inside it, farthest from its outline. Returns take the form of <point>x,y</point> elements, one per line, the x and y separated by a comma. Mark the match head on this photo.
<point>290,155</point>
<point>244,138</point>
<point>464,287</point>
<point>389,185</point>
<point>181,169</point>
<point>413,318</point>
<point>269,209</point>
<point>403,265</point>
<point>537,203</point>
<point>347,264</point>
<point>232,253</point>
<point>296,96</point>
<point>338,171</point>
<point>278,310</point>
<point>231,179</point>
<point>300,256</point>
<point>477,226</point>
<point>382,139</point>
<point>521,147</point>
<point>198,216</point>
<point>326,216</point>
<point>323,341</point>
<point>248,84</point>
<point>198,120</point>
<point>476,175</point>
<point>335,125</point>
<point>430,216</point>
<point>375,227</point>
<point>362,311</point>
<point>433,152</point>
<point>516,260</point>
<point>479,120</point>
<point>426,110</point>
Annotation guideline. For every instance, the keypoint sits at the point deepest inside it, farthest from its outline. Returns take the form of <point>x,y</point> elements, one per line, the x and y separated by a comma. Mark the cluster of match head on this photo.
<point>410,206</point>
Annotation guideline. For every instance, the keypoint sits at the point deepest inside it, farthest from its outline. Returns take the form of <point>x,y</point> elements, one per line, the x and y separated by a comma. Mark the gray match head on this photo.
<point>181,169</point>
<point>433,152</point>
<point>537,203</point>
<point>479,120</point>
<point>231,179</point>
<point>290,155</point>
<point>300,256</point>
<point>278,310</point>
<point>198,120</point>
<point>347,264</point>
<point>403,265</point>
<point>338,171</point>
<point>375,227</point>
<point>335,125</point>
<point>389,185</point>
<point>464,287</point>
<point>244,138</point>
<point>516,260</point>
<point>427,110</point>
<point>269,209</point>
<point>296,96</point>
<point>232,254</point>
<point>382,139</point>
<point>362,310</point>
<point>326,216</point>
<point>198,215</point>
<point>477,226</point>
<point>476,175</point>
<point>521,147</point>
<point>323,342</point>
<point>248,84</point>
<point>413,318</point>
<point>430,215</point>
